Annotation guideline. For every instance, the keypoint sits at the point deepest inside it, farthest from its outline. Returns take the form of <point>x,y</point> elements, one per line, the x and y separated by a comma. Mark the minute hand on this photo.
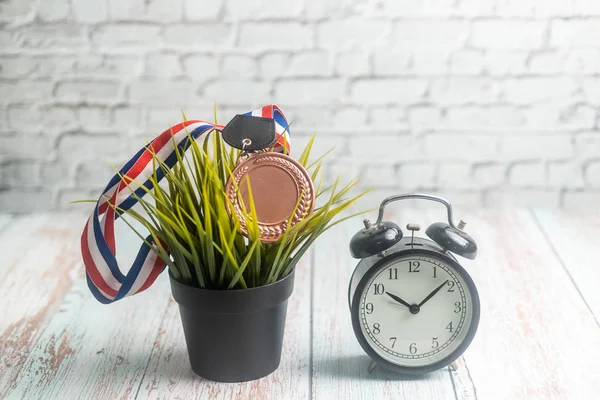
<point>426,299</point>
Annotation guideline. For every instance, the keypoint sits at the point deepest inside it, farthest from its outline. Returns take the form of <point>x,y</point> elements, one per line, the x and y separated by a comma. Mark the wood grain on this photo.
<point>339,363</point>
<point>90,350</point>
<point>169,374</point>
<point>575,238</point>
<point>38,263</point>
<point>536,339</point>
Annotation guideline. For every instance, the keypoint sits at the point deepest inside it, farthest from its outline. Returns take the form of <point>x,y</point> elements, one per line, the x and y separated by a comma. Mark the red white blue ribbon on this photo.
<point>105,279</point>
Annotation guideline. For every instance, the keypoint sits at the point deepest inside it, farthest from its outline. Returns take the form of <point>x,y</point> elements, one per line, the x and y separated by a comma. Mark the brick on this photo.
<point>163,65</point>
<point>94,175</point>
<point>592,174</point>
<point>204,35</point>
<point>540,90</point>
<point>45,120</point>
<point>66,196</point>
<point>75,148</point>
<point>388,91</point>
<point>452,147</point>
<point>463,91</point>
<point>521,148</point>
<point>238,92</point>
<point>126,118</point>
<point>430,34</point>
<point>26,90</point>
<point>162,92</point>
<point>467,62</point>
<point>239,66</point>
<point>264,9</point>
<point>417,176</point>
<point>21,174</point>
<point>308,119</point>
<point>546,63</point>
<point>324,9</point>
<point>365,33</point>
<point>313,63</point>
<point>521,198</point>
<point>423,118</point>
<point>478,117</point>
<point>575,32</point>
<point>146,10</point>
<point>52,36</point>
<point>392,63</point>
<point>26,200</point>
<point>11,9</point>
<point>126,34</point>
<point>379,175</point>
<point>61,173</point>
<point>158,120</point>
<point>430,62</point>
<point>388,118</point>
<point>353,64</point>
<point>587,7</point>
<point>94,119</point>
<point>200,68</point>
<point>194,10</point>
<point>488,175</point>
<point>590,88</point>
<point>88,91</point>
<point>275,35</point>
<point>501,63</point>
<point>582,61</point>
<point>587,145</point>
<point>455,176</point>
<point>552,117</point>
<point>566,174</point>
<point>349,117</point>
<point>418,8</point>
<point>527,174</point>
<point>580,200</point>
<point>405,147</point>
<point>309,91</point>
<point>26,147</point>
<point>506,34</point>
<point>89,11</point>
<point>12,67</point>
<point>517,8</point>
<point>57,10</point>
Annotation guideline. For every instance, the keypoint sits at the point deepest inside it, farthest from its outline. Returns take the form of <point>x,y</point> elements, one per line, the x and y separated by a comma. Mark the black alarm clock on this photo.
<point>414,307</point>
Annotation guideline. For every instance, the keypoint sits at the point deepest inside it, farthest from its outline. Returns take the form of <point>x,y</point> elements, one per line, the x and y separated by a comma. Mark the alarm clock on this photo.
<point>414,307</point>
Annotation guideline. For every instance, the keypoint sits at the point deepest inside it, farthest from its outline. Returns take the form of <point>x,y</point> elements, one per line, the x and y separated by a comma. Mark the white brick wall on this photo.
<point>489,102</point>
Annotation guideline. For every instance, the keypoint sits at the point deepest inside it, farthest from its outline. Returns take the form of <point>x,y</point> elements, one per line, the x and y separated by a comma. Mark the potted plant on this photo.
<point>232,289</point>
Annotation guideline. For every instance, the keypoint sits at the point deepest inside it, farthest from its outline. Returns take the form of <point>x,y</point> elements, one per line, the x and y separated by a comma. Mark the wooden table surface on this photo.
<point>539,337</point>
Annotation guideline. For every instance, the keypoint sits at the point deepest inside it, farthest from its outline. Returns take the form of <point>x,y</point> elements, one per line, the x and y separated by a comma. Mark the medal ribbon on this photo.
<point>104,277</point>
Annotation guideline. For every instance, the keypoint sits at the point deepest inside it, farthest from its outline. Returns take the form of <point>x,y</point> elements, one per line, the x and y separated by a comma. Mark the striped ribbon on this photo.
<point>104,277</point>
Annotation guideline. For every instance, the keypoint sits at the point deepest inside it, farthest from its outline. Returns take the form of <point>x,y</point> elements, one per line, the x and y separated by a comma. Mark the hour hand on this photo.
<point>398,299</point>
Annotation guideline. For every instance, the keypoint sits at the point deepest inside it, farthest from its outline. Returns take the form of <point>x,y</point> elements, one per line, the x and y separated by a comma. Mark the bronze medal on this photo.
<point>278,183</point>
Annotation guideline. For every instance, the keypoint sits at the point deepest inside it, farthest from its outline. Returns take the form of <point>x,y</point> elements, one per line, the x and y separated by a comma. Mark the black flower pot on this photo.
<point>234,335</point>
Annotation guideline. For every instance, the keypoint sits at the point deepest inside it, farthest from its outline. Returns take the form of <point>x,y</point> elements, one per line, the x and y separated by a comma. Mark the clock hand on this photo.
<point>426,299</point>
<point>398,299</point>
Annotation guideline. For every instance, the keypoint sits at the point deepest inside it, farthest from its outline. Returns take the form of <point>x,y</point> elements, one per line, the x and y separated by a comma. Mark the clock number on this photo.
<point>451,284</point>
<point>435,272</point>
<point>378,288</point>
<point>434,343</point>
<point>449,327</point>
<point>393,340</point>
<point>413,266</point>
<point>376,329</point>
<point>369,308</point>
<point>394,273</point>
<point>412,348</point>
<point>457,307</point>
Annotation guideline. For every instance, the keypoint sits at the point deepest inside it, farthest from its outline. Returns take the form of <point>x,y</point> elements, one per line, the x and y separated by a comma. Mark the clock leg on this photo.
<point>454,366</point>
<point>372,366</point>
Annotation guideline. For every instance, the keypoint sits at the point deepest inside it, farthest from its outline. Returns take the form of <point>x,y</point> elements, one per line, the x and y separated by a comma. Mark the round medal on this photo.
<point>278,183</point>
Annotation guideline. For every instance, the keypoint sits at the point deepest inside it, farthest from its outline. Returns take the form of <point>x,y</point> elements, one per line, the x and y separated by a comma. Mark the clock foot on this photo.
<point>372,366</point>
<point>454,366</point>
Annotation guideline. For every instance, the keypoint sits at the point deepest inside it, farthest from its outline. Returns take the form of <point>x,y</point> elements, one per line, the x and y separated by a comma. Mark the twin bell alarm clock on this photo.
<point>414,307</point>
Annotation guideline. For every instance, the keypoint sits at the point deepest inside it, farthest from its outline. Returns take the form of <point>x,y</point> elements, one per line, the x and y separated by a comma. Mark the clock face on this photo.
<point>418,310</point>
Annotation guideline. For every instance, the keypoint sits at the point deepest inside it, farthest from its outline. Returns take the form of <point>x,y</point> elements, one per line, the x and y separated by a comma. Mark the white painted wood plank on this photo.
<point>536,339</point>
<point>38,257</point>
<point>90,350</point>
<point>169,374</point>
<point>340,364</point>
<point>575,238</point>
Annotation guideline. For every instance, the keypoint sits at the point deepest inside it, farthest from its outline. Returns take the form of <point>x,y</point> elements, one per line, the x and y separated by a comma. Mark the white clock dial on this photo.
<point>415,311</point>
